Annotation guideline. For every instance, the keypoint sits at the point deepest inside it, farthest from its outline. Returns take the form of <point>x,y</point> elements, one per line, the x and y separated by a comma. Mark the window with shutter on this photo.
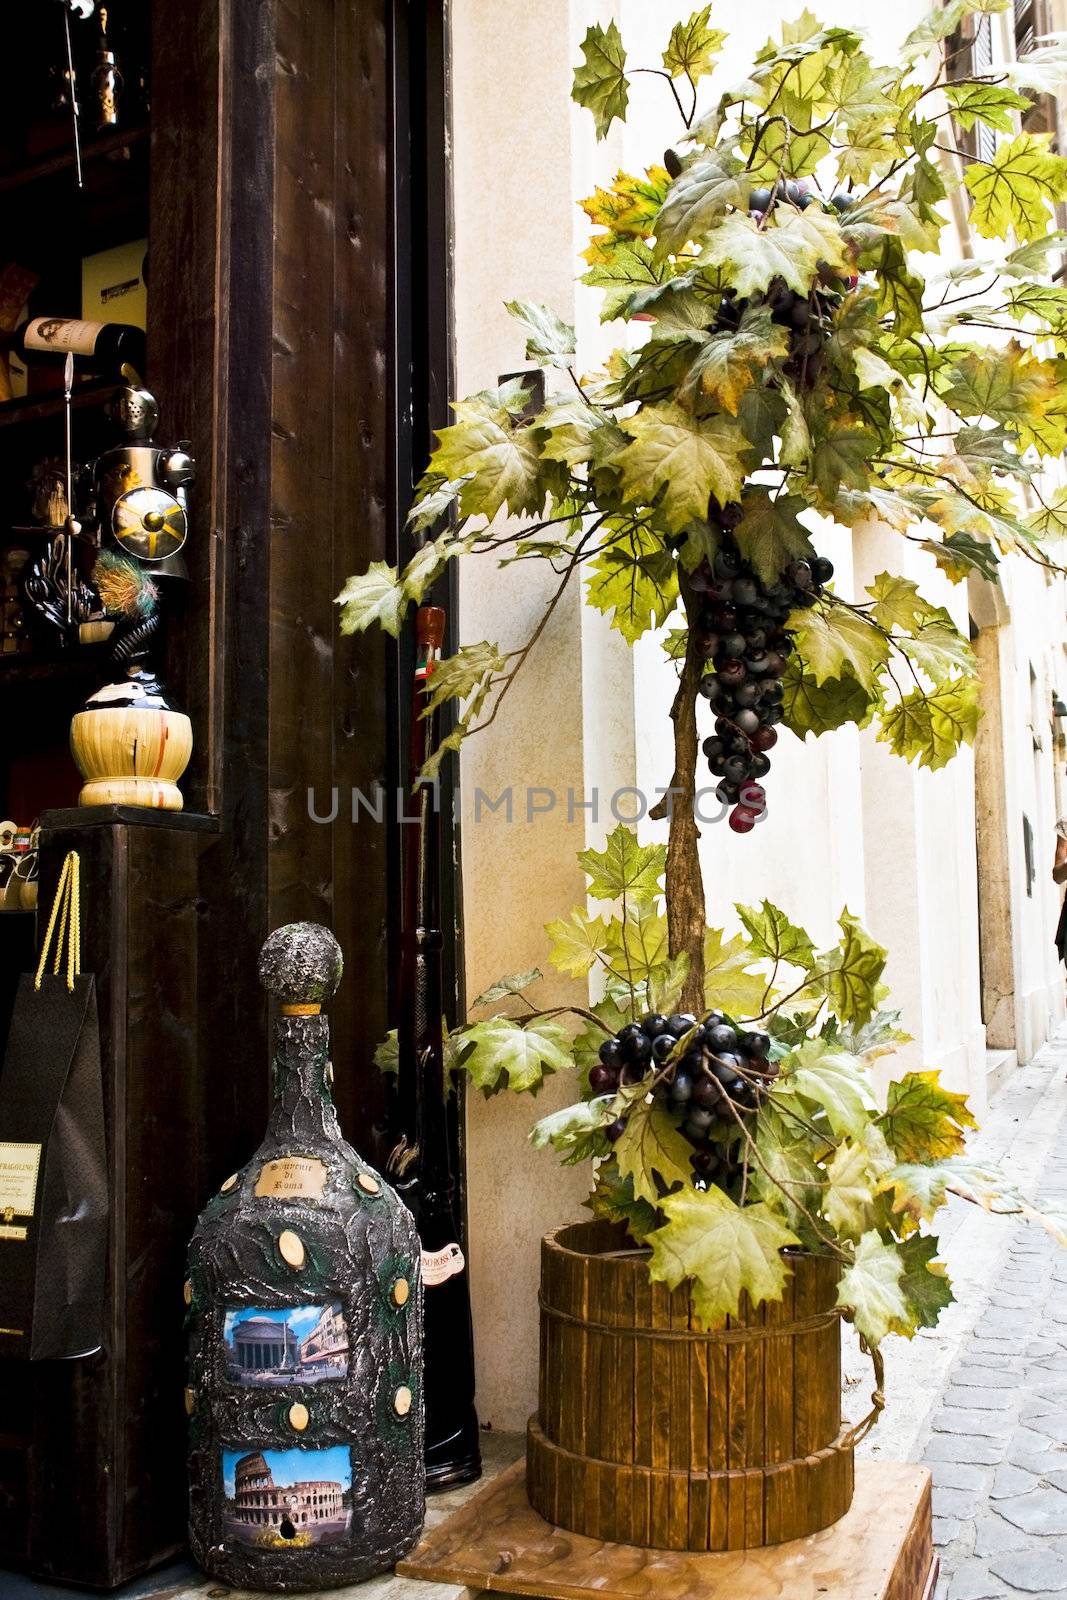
<point>1033,23</point>
<point>969,53</point>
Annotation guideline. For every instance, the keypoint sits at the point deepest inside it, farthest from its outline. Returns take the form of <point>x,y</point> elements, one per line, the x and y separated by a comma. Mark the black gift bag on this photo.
<point>53,1156</point>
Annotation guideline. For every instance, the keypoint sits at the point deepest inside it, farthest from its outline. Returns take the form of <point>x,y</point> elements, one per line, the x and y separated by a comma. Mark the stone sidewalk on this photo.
<point>994,1432</point>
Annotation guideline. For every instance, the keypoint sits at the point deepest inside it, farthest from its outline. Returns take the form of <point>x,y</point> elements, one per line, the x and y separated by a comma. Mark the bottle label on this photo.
<point>63,334</point>
<point>438,1265</point>
<point>19,1166</point>
<point>291,1178</point>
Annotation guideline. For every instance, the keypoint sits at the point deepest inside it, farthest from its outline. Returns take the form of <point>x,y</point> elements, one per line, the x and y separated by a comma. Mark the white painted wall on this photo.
<point>849,824</point>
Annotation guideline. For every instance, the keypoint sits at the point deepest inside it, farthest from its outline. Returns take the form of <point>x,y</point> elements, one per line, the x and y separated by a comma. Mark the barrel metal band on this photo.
<point>779,1330</point>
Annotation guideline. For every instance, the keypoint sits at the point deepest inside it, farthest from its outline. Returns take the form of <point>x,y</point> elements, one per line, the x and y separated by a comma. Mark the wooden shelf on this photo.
<point>93,150</point>
<point>40,407</point>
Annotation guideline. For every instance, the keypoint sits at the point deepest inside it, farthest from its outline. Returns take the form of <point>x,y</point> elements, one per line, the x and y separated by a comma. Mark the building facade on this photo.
<point>259,1501</point>
<point>264,1345</point>
<point>324,1351</point>
<point>950,870</point>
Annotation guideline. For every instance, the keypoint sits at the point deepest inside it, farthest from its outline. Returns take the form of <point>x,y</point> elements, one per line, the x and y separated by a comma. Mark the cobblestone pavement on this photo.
<point>996,1437</point>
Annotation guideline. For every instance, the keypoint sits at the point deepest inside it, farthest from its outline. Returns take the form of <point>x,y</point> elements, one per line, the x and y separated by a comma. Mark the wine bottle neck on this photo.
<point>303,1100</point>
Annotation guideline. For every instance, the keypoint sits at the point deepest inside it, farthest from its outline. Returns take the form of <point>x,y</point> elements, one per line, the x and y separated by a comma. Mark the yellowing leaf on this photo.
<point>693,47</point>
<point>870,1290</point>
<point>576,1132</point>
<point>1016,189</point>
<point>853,1175</point>
<point>727,364</point>
<point>576,942</point>
<point>634,578</point>
<point>791,249</point>
<point>897,601</point>
<point>376,595</point>
<point>832,641</point>
<point>729,984</point>
<point>600,82</point>
<point>686,459</point>
<point>939,650</point>
<point>650,1143</point>
<point>930,727</point>
<point>852,973</point>
<point>624,867</point>
<point>613,1199</point>
<point>923,1121</point>
<point>497,461</point>
<point>723,1249</point>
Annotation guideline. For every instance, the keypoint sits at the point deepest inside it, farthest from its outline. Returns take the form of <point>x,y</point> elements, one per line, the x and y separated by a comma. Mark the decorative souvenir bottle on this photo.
<point>305,1323</point>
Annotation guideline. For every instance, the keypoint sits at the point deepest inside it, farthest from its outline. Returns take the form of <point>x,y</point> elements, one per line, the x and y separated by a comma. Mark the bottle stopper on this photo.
<point>301,965</point>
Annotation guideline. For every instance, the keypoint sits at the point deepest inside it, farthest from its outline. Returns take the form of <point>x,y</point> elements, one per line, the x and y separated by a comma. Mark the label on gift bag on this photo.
<point>19,1166</point>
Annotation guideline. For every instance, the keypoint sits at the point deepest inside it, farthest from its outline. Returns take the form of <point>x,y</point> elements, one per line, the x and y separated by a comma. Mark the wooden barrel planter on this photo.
<point>651,1431</point>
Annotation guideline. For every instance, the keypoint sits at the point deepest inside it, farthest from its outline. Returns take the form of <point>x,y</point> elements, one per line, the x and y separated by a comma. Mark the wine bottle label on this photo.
<point>292,1177</point>
<point>438,1265</point>
<point>19,1165</point>
<point>62,333</point>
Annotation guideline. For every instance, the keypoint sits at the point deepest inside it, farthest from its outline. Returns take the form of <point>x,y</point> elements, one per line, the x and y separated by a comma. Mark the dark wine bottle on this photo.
<point>100,348</point>
<point>420,1164</point>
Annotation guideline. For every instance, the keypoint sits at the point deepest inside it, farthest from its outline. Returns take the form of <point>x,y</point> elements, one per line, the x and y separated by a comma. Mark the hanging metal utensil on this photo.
<point>73,528</point>
<point>81,10</point>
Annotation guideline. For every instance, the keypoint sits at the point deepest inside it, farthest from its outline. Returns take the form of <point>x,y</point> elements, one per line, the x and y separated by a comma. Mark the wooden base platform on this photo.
<point>881,1549</point>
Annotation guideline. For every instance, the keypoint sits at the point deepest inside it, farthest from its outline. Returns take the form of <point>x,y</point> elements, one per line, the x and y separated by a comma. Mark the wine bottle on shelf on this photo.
<point>100,348</point>
<point>420,1165</point>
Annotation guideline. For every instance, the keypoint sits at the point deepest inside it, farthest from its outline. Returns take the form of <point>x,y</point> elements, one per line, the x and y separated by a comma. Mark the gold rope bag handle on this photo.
<point>66,917</point>
<point>860,1430</point>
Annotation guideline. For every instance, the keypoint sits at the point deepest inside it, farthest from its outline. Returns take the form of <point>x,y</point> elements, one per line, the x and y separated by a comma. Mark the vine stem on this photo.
<point>686,913</point>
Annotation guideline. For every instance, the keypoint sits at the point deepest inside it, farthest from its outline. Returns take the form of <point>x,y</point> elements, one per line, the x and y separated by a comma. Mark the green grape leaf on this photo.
<point>1014,389</point>
<point>624,867</point>
<point>853,1175</point>
<point>729,984</point>
<point>675,644</point>
<point>387,1055</point>
<point>600,82</point>
<point>852,973</point>
<point>791,249</point>
<point>549,340</point>
<point>573,431</point>
<point>695,201</point>
<point>878,1036</point>
<point>651,1144</point>
<point>693,47</point>
<point>576,1132</point>
<point>1017,188</point>
<point>374,596</point>
<point>576,942</point>
<point>636,944</point>
<point>629,208</point>
<point>497,461</point>
<point>960,554</point>
<point>843,457</point>
<point>686,459</point>
<point>774,937</point>
<point>770,535</point>
<point>788,1175</point>
<point>897,602</point>
<point>467,674</point>
<point>924,1121</point>
<point>506,988</point>
<point>919,1189</point>
<point>991,103</point>
<point>832,640</point>
<point>428,562</point>
<point>725,1250</point>
<point>503,1052</point>
<point>1051,521</point>
<point>725,365</point>
<point>435,499</point>
<point>629,266</point>
<point>938,649</point>
<point>930,727</point>
<point>829,1079</point>
<point>666,982</point>
<point>934,27</point>
<point>813,707</point>
<point>585,1046</point>
<point>870,1291</point>
<point>925,1282</point>
<point>635,579</point>
<point>613,1199</point>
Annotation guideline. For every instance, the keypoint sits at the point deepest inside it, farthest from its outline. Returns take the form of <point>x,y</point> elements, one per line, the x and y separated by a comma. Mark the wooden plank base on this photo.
<point>881,1549</point>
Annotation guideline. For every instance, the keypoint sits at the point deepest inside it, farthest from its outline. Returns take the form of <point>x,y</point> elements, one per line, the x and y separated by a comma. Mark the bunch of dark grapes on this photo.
<point>740,631</point>
<point>722,1076</point>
